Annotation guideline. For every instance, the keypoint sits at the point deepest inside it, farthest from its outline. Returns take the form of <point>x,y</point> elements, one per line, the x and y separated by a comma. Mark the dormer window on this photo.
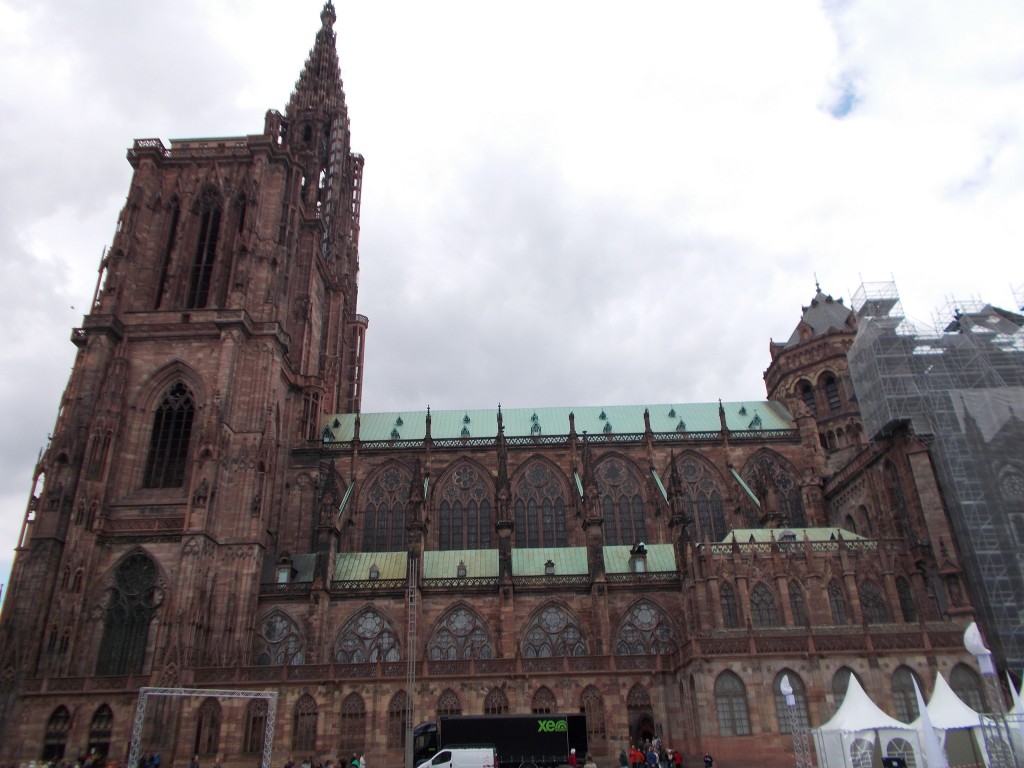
<point>460,570</point>
<point>549,568</point>
<point>283,570</point>
<point>374,572</point>
<point>638,558</point>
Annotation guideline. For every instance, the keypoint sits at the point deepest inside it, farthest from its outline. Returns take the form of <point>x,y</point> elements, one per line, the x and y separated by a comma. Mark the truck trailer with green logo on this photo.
<point>541,740</point>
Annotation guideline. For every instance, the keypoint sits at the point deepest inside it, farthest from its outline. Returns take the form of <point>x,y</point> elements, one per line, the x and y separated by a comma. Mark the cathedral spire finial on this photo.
<point>327,15</point>
<point>319,85</point>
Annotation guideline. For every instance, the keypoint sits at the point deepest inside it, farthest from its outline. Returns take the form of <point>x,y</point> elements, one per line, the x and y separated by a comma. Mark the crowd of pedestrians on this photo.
<point>651,754</point>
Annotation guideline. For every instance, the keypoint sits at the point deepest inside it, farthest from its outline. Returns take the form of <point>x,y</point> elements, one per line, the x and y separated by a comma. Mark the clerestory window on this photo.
<point>169,441</point>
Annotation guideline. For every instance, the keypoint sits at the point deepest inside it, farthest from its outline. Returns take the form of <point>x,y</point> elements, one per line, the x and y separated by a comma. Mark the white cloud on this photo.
<point>573,202</point>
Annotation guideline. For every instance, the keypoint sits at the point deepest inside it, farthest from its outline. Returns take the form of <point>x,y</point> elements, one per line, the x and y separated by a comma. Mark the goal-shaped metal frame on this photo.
<point>145,693</point>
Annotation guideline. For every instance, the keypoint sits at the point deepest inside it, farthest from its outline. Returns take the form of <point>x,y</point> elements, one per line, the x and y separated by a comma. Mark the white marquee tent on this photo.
<point>860,734</point>
<point>960,728</point>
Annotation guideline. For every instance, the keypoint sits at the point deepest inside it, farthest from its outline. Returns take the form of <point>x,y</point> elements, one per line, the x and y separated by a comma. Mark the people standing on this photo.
<point>362,760</point>
<point>709,761</point>
<point>589,763</point>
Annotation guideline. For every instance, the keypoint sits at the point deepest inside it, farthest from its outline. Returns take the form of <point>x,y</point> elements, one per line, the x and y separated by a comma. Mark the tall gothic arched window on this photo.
<point>496,702</point>
<point>638,705</point>
<point>807,395</point>
<point>872,604</point>
<point>174,214</point>
<point>622,503</point>
<point>903,694</point>
<point>100,729</point>
<point>396,719</point>
<point>645,630</point>
<point>56,737</point>
<point>543,702</point>
<point>255,726</point>
<point>831,388</point>
<point>782,710</point>
<point>208,208</point>
<point>460,634</point>
<point>730,611</point>
<point>906,596</point>
<point>731,705</point>
<point>167,459</point>
<point>539,502</point>
<point>367,637</point>
<point>967,686</point>
<point>763,610</point>
<point>797,604</point>
<point>552,631</point>
<point>304,724</point>
<point>465,520</point>
<point>208,728</point>
<point>130,604</point>
<point>387,501</point>
<point>448,704</point>
<point>353,724</point>
<point>770,472</point>
<point>592,706</point>
<point>703,497</point>
<point>837,602</point>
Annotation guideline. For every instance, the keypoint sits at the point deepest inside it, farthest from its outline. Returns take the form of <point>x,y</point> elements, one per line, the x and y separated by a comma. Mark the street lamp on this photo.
<point>801,748</point>
<point>1001,753</point>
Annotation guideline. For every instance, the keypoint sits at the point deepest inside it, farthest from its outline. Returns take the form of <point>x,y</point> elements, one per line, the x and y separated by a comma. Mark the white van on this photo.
<point>462,757</point>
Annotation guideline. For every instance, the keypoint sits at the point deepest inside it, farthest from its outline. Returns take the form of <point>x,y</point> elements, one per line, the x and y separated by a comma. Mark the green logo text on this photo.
<point>552,726</point>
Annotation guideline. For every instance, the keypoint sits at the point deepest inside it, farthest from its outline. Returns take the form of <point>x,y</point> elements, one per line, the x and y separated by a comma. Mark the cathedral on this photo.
<point>215,512</point>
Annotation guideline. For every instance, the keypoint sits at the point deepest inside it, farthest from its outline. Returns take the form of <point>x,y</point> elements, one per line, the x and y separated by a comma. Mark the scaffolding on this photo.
<point>959,384</point>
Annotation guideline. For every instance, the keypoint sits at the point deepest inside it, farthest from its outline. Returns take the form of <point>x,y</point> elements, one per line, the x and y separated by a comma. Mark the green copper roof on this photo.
<point>660,557</point>
<point>480,563</point>
<point>569,561</point>
<point>527,422</point>
<point>355,566</point>
<point>304,567</point>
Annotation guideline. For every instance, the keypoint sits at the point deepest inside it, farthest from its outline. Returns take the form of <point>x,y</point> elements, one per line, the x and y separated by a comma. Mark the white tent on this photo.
<point>1015,719</point>
<point>931,743</point>
<point>947,711</point>
<point>960,727</point>
<point>860,733</point>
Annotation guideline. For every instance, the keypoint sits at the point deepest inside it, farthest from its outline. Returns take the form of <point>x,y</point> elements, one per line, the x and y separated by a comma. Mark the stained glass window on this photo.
<point>539,502</point>
<point>553,632</point>
<point>622,503</point>
<point>367,637</point>
<point>645,629</point>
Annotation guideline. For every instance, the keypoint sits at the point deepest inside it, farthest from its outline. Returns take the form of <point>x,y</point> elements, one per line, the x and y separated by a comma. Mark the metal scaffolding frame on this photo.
<point>945,382</point>
<point>146,692</point>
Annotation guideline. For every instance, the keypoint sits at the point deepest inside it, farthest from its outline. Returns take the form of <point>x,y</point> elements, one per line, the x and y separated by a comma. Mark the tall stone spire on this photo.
<point>319,87</point>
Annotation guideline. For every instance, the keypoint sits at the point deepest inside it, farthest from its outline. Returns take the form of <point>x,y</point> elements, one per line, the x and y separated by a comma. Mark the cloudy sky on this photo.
<point>565,202</point>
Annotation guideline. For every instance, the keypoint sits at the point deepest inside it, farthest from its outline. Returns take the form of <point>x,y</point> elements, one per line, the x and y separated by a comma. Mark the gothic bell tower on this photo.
<point>223,324</point>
